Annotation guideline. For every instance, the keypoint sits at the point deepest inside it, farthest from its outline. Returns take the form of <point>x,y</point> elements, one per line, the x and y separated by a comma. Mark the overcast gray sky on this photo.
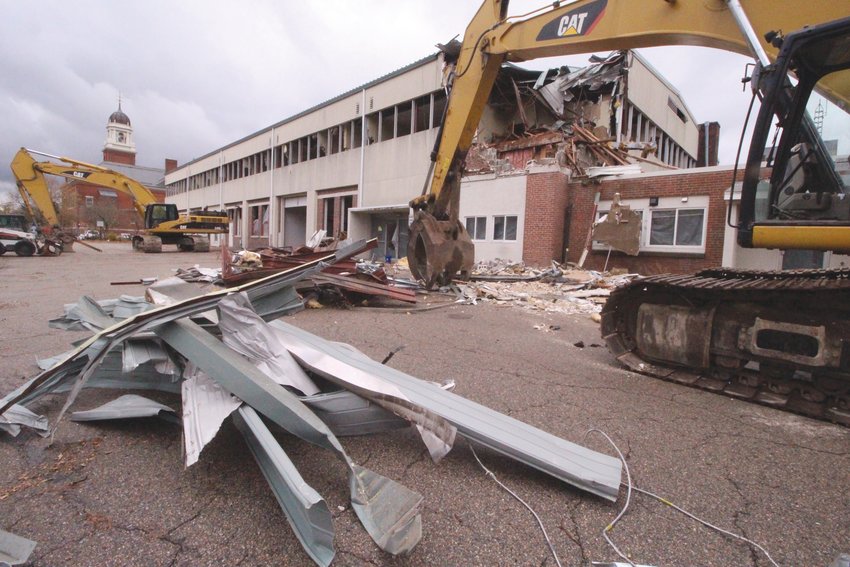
<point>195,75</point>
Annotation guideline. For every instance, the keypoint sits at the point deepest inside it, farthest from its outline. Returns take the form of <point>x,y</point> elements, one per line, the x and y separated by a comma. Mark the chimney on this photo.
<point>170,165</point>
<point>709,143</point>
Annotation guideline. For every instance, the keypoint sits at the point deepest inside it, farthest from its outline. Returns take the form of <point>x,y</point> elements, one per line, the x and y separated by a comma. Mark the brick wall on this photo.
<point>546,201</point>
<point>711,183</point>
<point>119,157</point>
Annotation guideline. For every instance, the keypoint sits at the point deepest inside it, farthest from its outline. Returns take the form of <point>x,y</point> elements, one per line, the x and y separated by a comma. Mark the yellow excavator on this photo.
<point>776,338</point>
<point>163,224</point>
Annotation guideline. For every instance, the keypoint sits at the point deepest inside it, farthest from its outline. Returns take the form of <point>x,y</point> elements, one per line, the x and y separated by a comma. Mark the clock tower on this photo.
<point>119,146</point>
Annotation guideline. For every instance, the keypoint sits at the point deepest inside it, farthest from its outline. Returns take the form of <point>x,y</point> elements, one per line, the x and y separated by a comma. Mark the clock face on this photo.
<point>121,137</point>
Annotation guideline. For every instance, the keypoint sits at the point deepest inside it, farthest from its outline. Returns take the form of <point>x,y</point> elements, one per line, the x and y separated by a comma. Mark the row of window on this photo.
<point>504,228</point>
<point>412,116</point>
<point>638,127</point>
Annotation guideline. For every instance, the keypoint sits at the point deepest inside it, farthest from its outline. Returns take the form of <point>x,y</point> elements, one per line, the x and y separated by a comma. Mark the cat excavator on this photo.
<point>776,338</point>
<point>163,224</point>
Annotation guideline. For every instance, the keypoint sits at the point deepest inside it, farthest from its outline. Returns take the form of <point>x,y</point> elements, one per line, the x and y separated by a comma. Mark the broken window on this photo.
<point>356,133</point>
<point>387,124</point>
<point>322,142</point>
<point>422,113</point>
<point>372,128</point>
<point>333,140</point>
<point>404,119</point>
<point>439,108</point>
<point>675,108</point>
<point>477,227</point>
<point>504,227</point>
<point>676,227</point>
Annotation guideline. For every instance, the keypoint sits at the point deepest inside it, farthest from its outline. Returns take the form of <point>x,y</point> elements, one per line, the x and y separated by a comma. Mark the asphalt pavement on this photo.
<point>118,494</point>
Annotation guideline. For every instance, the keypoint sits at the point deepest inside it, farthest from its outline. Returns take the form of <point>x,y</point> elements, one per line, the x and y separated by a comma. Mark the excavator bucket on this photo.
<point>438,250</point>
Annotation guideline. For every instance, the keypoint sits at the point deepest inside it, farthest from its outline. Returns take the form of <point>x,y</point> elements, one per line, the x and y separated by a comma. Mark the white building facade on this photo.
<point>351,164</point>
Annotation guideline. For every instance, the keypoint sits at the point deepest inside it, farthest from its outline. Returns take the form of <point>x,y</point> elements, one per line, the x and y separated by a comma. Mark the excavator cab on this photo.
<point>159,213</point>
<point>805,204</point>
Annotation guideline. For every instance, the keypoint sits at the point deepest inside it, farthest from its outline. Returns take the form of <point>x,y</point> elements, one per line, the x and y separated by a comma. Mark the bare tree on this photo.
<point>106,211</point>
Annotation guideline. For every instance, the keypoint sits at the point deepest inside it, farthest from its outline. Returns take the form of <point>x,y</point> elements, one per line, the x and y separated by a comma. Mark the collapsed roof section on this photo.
<point>574,118</point>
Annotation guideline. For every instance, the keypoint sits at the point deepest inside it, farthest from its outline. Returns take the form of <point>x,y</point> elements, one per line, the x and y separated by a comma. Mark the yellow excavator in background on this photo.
<point>777,338</point>
<point>163,224</point>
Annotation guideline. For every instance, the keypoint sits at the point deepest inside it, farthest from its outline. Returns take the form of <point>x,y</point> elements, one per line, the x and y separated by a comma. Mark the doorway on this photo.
<point>392,234</point>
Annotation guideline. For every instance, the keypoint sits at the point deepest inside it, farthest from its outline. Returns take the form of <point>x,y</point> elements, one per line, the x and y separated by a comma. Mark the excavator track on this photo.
<point>780,339</point>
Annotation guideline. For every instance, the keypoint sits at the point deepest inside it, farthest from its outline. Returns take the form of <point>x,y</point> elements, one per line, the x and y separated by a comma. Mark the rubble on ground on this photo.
<point>227,355</point>
<point>558,289</point>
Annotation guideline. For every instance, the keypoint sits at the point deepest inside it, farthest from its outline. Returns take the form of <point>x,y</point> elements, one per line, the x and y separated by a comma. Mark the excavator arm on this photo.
<point>162,222</point>
<point>438,245</point>
<point>32,183</point>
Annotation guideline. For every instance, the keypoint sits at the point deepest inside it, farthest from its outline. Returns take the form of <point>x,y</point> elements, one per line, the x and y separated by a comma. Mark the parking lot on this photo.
<point>117,493</point>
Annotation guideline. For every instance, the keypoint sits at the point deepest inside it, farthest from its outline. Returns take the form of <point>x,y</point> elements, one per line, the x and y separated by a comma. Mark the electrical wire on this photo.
<point>709,525</point>
<point>610,526</point>
<point>630,487</point>
<point>737,161</point>
<point>521,501</point>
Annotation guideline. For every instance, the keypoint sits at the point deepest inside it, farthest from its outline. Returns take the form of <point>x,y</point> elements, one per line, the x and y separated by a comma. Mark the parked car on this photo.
<point>89,235</point>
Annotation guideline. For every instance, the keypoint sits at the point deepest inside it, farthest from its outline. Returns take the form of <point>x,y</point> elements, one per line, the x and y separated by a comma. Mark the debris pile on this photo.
<point>346,281</point>
<point>224,355</point>
<point>559,289</point>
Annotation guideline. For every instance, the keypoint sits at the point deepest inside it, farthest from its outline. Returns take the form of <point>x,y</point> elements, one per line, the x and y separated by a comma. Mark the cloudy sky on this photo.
<point>195,75</point>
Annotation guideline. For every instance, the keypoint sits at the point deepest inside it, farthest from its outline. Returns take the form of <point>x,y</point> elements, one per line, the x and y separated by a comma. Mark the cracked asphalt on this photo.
<point>117,493</point>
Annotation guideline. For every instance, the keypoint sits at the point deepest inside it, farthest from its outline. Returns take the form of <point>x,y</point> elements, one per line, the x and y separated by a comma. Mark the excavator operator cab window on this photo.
<point>159,213</point>
<point>812,126</point>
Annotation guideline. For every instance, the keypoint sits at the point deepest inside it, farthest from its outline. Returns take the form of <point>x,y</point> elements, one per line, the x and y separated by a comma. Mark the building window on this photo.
<point>387,124</point>
<point>477,227</point>
<point>676,227</point>
<point>404,119</point>
<point>259,220</point>
<point>328,220</point>
<point>89,201</point>
<point>504,227</point>
<point>422,115</point>
<point>235,217</point>
<point>675,224</point>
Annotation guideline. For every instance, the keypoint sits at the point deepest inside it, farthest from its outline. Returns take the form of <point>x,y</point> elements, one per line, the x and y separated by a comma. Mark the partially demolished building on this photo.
<point>351,164</point>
